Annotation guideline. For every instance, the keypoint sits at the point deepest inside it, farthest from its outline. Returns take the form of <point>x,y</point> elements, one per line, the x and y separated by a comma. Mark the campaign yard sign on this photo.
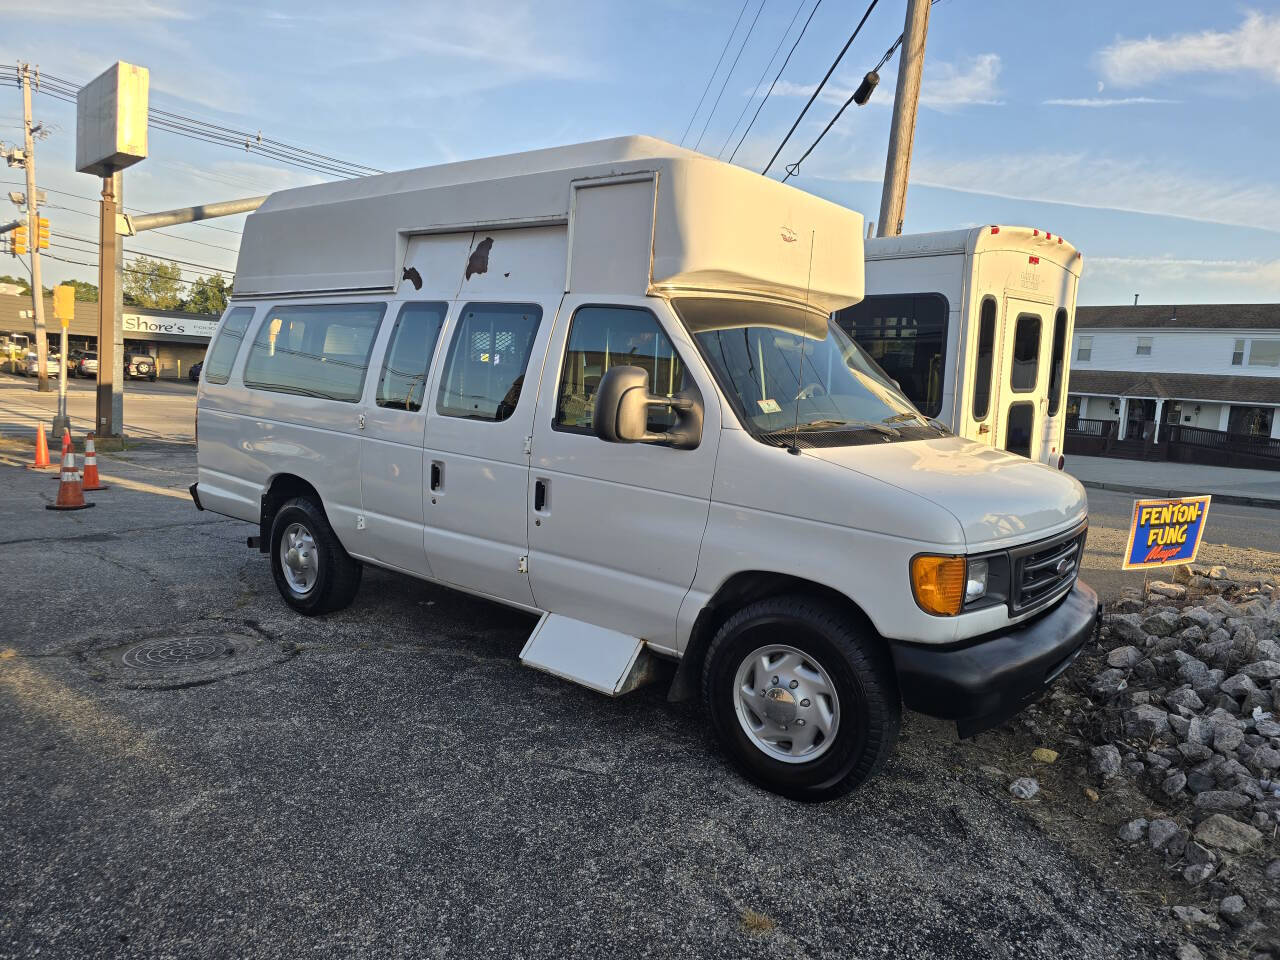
<point>1165,533</point>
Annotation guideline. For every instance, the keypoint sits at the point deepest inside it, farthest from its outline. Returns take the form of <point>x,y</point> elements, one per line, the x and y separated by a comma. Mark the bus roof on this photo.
<point>971,240</point>
<point>715,227</point>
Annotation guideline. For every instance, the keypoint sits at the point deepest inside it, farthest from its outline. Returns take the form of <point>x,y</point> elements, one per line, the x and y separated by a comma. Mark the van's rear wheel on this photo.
<point>312,571</point>
<point>804,703</point>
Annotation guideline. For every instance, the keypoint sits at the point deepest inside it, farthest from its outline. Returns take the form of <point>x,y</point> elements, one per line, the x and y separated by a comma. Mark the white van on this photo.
<point>600,383</point>
<point>975,326</point>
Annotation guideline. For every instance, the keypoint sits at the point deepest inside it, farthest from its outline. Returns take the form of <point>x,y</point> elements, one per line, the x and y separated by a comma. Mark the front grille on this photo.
<point>1044,571</point>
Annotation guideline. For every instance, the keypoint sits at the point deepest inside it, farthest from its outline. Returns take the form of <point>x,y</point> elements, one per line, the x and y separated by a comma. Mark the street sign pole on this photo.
<point>64,308</point>
<point>107,424</point>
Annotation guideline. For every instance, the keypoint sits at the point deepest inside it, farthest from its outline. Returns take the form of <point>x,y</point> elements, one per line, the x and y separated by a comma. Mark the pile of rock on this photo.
<point>1183,699</point>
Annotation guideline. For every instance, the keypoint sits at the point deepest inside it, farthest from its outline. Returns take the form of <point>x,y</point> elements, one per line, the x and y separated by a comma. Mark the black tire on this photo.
<point>338,576</point>
<point>859,668</point>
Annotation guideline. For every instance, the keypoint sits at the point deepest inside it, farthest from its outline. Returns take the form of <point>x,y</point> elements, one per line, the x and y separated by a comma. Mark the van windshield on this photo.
<point>781,366</point>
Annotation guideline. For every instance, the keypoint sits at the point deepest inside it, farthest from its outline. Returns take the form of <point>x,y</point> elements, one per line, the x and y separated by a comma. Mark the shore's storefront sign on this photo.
<point>151,327</point>
<point>1165,533</point>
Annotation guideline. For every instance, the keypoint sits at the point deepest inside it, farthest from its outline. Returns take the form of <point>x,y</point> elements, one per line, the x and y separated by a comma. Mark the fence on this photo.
<point>1220,448</point>
<point>1090,428</point>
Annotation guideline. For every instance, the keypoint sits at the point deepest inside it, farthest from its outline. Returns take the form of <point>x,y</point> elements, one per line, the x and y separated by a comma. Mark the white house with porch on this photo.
<point>1214,366</point>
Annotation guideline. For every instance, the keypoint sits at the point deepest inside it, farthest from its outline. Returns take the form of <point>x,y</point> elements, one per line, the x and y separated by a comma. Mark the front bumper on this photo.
<point>986,682</point>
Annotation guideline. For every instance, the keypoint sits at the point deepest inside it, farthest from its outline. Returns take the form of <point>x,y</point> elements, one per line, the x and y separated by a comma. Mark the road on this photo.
<point>164,410</point>
<point>389,781</point>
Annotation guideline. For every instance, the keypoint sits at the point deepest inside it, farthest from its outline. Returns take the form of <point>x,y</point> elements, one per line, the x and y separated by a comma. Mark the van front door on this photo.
<point>615,528</point>
<point>393,423</point>
<point>475,458</point>
<point>1024,376</point>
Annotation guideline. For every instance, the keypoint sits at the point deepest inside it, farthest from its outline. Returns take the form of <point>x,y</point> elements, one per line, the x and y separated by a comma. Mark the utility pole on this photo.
<point>108,421</point>
<point>902,133</point>
<point>33,231</point>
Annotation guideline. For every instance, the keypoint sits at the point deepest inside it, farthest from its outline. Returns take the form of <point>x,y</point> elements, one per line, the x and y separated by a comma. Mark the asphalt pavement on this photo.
<point>190,769</point>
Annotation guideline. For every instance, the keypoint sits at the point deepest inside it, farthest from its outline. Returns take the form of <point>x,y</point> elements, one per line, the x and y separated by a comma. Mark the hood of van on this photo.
<point>999,498</point>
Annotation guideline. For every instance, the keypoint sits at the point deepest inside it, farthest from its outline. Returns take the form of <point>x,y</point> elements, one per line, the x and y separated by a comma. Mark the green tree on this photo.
<point>85,292</point>
<point>208,295</point>
<point>155,283</point>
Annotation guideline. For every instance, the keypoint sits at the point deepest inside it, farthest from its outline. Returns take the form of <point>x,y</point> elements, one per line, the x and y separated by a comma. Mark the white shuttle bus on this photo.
<point>975,326</point>
<point>600,383</point>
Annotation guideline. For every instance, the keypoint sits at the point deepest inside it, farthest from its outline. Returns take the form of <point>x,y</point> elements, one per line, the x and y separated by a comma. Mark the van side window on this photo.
<point>1059,354</point>
<point>1026,354</point>
<point>485,370</point>
<point>907,336</point>
<point>604,337</point>
<point>318,350</point>
<point>985,359</point>
<point>217,368</point>
<point>413,341</point>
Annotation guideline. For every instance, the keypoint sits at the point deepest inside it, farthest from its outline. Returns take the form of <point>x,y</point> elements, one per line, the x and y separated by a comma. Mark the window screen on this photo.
<point>1055,368</point>
<point>1237,354</point>
<point>222,354</point>
<point>318,350</point>
<point>1144,347</point>
<point>907,337</point>
<point>487,358</point>
<point>604,337</point>
<point>986,357</point>
<point>1264,353</point>
<point>1017,438</point>
<point>1084,348</point>
<point>413,341</point>
<point>1026,354</point>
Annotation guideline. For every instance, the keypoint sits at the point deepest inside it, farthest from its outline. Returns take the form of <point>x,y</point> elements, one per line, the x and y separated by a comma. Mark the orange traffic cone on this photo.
<point>70,496</point>
<point>42,450</point>
<point>66,442</point>
<point>91,481</point>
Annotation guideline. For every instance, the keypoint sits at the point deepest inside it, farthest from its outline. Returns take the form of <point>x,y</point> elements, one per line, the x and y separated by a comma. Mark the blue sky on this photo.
<point>1146,133</point>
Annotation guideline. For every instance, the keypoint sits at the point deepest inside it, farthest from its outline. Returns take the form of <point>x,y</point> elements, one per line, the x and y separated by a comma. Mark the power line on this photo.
<point>872,78</point>
<point>727,41</point>
<point>754,116</point>
<point>204,267</point>
<point>733,66</point>
<point>143,273</point>
<point>763,73</point>
<point>81,196</point>
<point>832,69</point>
<point>196,129</point>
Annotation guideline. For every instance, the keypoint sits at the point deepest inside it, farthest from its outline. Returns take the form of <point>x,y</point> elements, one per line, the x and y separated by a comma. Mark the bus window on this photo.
<point>906,334</point>
<point>985,359</point>
<point>1026,354</point>
<point>1059,353</point>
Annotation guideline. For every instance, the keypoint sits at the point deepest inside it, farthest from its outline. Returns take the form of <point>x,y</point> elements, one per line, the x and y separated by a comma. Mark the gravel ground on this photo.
<point>388,781</point>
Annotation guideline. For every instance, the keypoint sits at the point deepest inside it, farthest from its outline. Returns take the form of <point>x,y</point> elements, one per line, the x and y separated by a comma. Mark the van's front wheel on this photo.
<point>312,571</point>
<point>804,703</point>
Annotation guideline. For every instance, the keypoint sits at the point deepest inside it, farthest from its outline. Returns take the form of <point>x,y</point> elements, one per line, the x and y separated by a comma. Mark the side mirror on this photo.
<point>621,412</point>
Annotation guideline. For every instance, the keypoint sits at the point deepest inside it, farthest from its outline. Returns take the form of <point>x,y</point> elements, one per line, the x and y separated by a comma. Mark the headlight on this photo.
<point>938,583</point>
<point>975,586</point>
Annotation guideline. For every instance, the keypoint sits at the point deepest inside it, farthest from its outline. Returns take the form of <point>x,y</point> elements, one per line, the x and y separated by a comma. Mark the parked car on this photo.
<point>52,366</point>
<point>87,365</point>
<point>630,413</point>
<point>194,372</point>
<point>139,366</point>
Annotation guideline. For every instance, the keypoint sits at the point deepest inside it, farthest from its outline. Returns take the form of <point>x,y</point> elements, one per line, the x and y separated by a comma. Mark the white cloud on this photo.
<point>948,85</point>
<point>1125,184</point>
<point>1253,47</point>
<point>81,10</point>
<point>1104,101</point>
<point>1184,279</point>
<point>945,85</point>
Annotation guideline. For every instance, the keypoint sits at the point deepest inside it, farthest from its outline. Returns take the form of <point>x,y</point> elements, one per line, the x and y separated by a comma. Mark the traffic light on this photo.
<point>20,240</point>
<point>42,234</point>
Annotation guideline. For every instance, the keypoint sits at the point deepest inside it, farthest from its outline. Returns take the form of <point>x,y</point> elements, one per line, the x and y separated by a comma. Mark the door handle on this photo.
<point>540,487</point>
<point>437,475</point>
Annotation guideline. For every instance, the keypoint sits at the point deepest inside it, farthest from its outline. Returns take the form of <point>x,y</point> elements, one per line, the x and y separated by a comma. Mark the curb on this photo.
<point>1231,498</point>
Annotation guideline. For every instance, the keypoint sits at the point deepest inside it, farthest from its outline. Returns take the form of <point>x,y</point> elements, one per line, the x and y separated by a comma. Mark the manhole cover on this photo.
<point>165,653</point>
<point>166,662</point>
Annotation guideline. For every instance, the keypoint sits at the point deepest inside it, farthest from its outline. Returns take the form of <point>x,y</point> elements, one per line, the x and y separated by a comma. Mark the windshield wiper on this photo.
<point>851,424</point>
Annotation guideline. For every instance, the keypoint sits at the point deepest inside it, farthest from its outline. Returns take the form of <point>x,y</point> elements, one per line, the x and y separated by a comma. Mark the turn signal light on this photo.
<point>938,584</point>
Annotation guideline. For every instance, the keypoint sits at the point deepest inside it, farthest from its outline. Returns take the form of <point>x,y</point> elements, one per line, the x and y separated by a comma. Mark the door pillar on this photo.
<point>1124,418</point>
<point>1155,437</point>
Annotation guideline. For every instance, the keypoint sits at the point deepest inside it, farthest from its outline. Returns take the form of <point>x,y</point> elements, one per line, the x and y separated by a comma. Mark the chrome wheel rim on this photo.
<point>786,703</point>
<point>299,559</point>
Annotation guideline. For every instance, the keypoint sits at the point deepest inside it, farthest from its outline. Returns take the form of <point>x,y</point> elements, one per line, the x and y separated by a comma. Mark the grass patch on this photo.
<point>756,923</point>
